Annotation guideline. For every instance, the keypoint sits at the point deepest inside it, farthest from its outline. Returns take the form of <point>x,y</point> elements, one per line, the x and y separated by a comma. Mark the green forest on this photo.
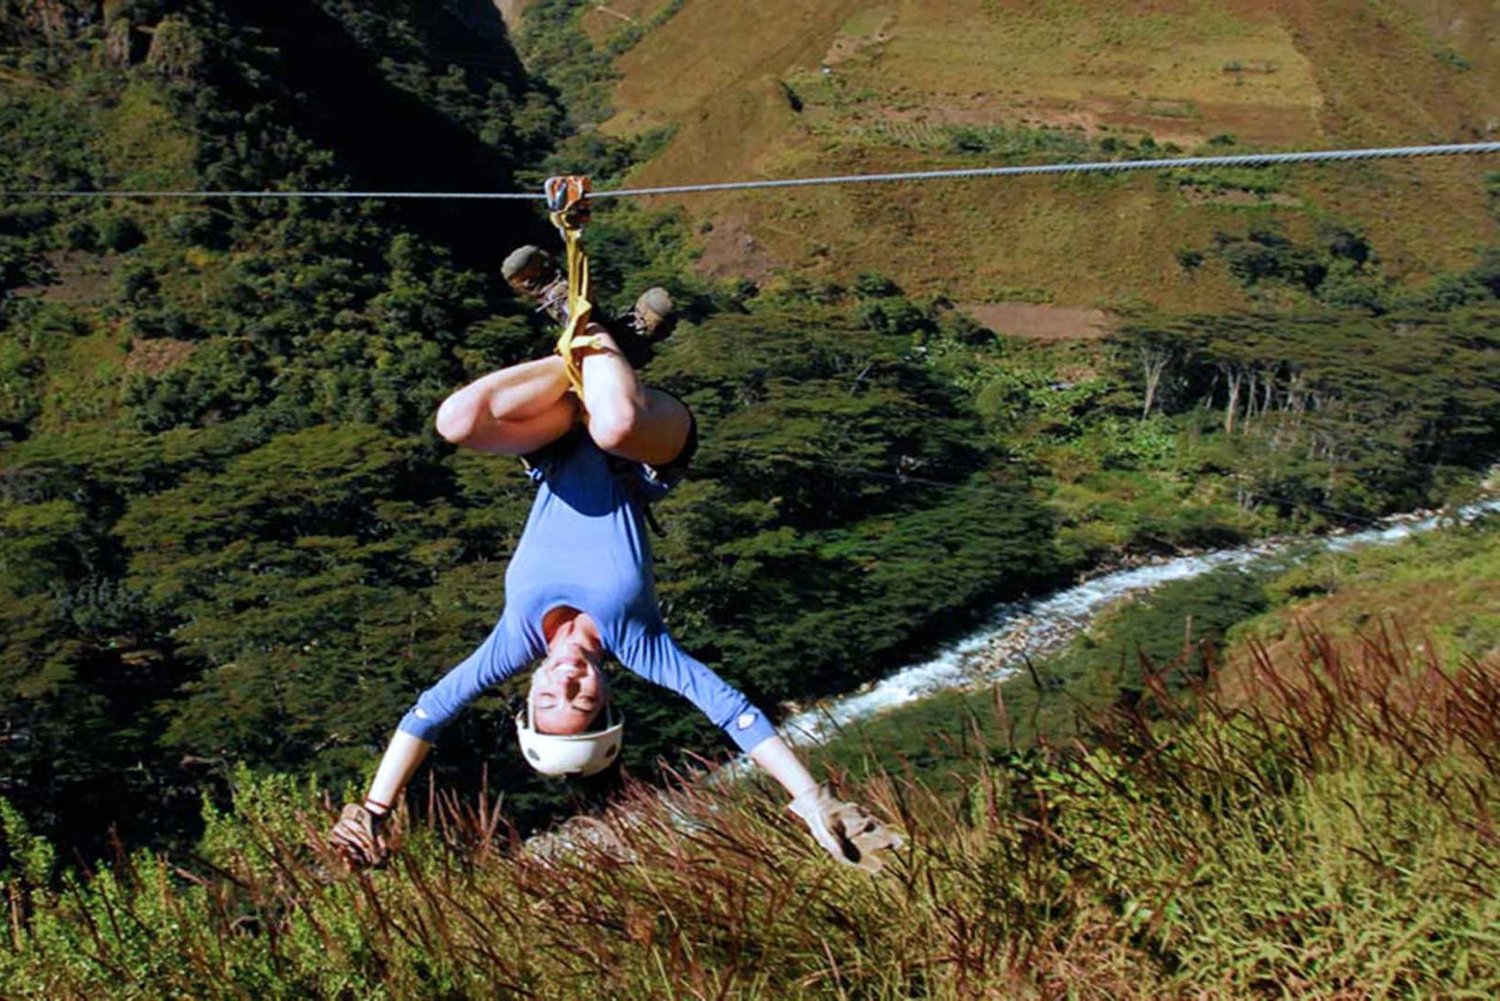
<point>230,536</point>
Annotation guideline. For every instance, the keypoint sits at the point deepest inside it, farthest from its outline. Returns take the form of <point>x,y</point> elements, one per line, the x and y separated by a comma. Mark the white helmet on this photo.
<point>571,754</point>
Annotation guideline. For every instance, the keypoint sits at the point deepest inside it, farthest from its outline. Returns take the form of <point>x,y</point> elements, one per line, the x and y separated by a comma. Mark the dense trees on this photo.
<point>181,585</point>
<point>1342,409</point>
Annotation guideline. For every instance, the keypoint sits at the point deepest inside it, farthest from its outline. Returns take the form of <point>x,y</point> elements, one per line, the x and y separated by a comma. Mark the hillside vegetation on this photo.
<point>787,88</point>
<point>229,534</point>
<point>233,549</point>
<point>1334,833</point>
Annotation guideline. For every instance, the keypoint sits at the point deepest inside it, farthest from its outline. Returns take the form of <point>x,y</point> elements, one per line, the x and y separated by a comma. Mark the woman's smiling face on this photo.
<point>567,690</point>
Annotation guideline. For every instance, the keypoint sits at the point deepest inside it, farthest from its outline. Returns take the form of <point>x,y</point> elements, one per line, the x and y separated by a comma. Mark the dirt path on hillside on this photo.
<point>1042,322</point>
<point>79,277</point>
<point>730,250</point>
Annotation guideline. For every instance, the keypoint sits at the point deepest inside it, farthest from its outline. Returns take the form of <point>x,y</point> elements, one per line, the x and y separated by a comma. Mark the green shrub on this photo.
<point>120,233</point>
<point>82,234</point>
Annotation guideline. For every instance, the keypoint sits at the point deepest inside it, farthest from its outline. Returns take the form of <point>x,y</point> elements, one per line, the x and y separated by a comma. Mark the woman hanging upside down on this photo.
<point>580,585</point>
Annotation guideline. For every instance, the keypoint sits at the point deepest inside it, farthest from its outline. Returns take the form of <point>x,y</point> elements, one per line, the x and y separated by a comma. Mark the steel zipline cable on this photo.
<point>962,173</point>
<point>1096,167</point>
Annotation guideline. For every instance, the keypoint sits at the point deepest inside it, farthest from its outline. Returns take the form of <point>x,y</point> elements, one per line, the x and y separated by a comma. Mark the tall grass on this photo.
<point>1326,829</point>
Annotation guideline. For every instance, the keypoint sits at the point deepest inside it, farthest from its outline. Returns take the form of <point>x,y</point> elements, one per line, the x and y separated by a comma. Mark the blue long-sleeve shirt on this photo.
<point>585,546</point>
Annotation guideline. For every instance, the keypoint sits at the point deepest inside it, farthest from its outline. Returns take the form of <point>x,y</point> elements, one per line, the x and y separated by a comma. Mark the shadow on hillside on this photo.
<point>389,139</point>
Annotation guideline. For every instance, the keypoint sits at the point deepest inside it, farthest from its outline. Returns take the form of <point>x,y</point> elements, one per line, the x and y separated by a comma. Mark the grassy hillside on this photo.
<point>1313,818</point>
<point>1443,590</point>
<point>786,88</point>
<point>1328,838</point>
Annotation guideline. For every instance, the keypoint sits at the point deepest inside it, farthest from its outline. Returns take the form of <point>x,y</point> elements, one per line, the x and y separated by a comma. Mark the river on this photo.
<point>1042,626</point>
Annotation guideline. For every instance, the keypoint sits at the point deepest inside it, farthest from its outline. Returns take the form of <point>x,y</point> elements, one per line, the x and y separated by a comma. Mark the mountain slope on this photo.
<point>795,88</point>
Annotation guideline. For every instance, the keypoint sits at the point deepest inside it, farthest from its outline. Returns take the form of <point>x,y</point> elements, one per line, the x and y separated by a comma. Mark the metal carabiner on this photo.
<point>568,198</point>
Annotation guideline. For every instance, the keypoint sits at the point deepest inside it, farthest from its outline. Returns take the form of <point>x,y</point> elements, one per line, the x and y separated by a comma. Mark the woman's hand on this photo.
<point>358,838</point>
<point>846,830</point>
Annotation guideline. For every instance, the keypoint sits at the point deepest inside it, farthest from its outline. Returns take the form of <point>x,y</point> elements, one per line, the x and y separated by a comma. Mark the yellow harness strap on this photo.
<point>567,197</point>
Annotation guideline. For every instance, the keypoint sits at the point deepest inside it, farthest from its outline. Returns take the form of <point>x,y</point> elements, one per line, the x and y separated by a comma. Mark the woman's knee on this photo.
<point>455,420</point>
<point>614,424</point>
<point>654,430</point>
